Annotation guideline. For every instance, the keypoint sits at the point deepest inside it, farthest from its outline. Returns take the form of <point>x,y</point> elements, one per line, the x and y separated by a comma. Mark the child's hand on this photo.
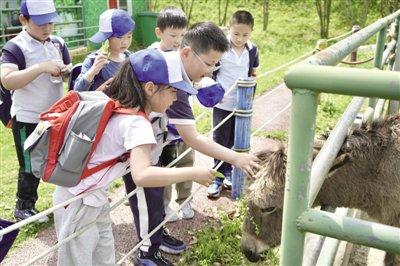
<point>99,62</point>
<point>203,175</point>
<point>65,71</point>
<point>51,67</point>
<point>246,162</point>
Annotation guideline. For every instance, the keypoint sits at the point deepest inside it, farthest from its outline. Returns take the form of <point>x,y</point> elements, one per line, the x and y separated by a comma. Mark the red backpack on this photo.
<point>67,135</point>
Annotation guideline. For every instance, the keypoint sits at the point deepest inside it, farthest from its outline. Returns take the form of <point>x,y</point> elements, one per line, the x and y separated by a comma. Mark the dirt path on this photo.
<point>125,236</point>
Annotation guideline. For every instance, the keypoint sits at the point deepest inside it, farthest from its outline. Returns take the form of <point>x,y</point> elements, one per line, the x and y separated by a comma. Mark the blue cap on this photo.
<point>40,11</point>
<point>113,23</point>
<point>160,68</point>
<point>210,92</point>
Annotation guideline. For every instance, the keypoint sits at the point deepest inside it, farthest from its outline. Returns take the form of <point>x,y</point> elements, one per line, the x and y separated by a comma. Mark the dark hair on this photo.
<point>126,89</point>
<point>242,17</point>
<point>171,17</point>
<point>205,36</point>
<point>27,17</point>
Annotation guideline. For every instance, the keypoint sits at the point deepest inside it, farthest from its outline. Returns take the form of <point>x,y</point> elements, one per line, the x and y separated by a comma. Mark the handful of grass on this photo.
<point>218,174</point>
<point>104,48</point>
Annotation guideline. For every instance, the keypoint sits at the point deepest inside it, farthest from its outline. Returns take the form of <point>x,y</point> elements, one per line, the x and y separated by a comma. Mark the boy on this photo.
<point>201,48</point>
<point>171,27</point>
<point>46,59</point>
<point>240,61</point>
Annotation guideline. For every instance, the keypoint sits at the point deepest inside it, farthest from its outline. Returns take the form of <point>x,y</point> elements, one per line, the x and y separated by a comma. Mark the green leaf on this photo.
<point>218,174</point>
<point>104,48</point>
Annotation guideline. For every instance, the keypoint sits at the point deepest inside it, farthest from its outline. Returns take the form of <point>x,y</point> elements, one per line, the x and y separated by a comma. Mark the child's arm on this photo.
<point>90,68</point>
<point>210,148</point>
<point>99,62</point>
<point>145,175</point>
<point>14,79</point>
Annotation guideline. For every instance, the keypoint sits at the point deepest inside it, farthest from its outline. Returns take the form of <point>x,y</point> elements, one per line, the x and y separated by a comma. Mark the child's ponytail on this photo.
<point>126,89</point>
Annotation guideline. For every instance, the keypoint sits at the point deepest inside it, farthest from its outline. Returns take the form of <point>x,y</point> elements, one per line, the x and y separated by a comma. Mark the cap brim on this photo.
<point>46,18</point>
<point>184,86</point>
<point>100,37</point>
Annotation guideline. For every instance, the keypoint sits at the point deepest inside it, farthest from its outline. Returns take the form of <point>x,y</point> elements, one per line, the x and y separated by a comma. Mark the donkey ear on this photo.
<point>340,161</point>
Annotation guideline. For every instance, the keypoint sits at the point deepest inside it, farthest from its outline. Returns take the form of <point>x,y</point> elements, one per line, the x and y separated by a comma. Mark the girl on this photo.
<point>147,82</point>
<point>115,29</point>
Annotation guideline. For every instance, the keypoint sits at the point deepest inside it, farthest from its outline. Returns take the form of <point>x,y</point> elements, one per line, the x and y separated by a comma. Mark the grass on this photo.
<point>217,243</point>
<point>293,31</point>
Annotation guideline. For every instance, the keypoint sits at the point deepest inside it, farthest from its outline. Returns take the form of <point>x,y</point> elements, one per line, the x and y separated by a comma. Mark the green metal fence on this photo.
<point>303,178</point>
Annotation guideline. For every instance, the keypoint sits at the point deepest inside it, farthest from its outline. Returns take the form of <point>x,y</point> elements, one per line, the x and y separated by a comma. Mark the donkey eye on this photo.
<point>268,210</point>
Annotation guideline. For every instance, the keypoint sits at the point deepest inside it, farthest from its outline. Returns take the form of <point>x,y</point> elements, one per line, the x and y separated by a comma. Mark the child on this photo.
<point>240,61</point>
<point>147,83</point>
<point>171,27</point>
<point>201,48</point>
<point>115,27</point>
<point>35,87</point>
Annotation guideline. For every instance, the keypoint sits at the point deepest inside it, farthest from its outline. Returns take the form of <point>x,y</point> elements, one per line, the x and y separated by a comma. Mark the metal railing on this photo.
<point>307,79</point>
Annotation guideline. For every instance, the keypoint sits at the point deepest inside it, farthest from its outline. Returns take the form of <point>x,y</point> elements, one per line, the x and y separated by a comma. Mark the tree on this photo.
<point>187,7</point>
<point>389,6</point>
<point>265,14</point>
<point>324,13</point>
<point>222,16</point>
<point>356,12</point>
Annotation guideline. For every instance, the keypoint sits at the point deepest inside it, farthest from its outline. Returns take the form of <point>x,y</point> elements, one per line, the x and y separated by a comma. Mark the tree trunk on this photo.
<point>265,14</point>
<point>187,7</point>
<point>324,12</point>
<point>225,11</point>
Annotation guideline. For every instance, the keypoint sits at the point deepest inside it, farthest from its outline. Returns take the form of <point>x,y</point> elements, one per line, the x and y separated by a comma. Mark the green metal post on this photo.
<point>350,229</point>
<point>394,105</point>
<point>380,45</point>
<point>301,139</point>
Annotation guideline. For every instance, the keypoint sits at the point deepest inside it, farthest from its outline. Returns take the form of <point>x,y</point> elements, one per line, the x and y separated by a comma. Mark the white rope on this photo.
<point>285,65</point>
<point>42,214</point>
<point>77,233</point>
<point>271,119</point>
<point>339,37</point>
<point>269,93</point>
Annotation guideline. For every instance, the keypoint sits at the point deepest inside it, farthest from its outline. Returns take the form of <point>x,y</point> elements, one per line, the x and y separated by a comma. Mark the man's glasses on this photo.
<point>209,68</point>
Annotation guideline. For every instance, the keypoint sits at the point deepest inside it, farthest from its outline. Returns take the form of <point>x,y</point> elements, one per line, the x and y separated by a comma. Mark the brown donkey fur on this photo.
<point>365,175</point>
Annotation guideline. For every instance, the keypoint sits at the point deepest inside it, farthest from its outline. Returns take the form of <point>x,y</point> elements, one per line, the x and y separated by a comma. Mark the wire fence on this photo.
<point>119,202</point>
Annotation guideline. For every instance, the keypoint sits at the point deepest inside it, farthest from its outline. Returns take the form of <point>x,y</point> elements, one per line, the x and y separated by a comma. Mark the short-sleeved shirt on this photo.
<point>233,67</point>
<point>122,133</point>
<point>107,72</point>
<point>39,94</point>
<point>180,112</point>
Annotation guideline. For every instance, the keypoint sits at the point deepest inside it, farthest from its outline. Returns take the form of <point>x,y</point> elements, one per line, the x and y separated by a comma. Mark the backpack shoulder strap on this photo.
<point>61,46</point>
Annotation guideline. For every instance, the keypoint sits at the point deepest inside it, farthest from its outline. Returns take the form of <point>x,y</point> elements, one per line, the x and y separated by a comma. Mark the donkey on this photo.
<point>365,175</point>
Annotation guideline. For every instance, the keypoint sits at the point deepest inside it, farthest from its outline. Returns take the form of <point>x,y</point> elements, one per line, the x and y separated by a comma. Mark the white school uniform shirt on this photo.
<point>122,133</point>
<point>233,67</point>
<point>39,94</point>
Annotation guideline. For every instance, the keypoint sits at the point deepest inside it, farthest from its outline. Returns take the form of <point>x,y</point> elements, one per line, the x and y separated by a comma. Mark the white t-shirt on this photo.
<point>233,67</point>
<point>122,133</point>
